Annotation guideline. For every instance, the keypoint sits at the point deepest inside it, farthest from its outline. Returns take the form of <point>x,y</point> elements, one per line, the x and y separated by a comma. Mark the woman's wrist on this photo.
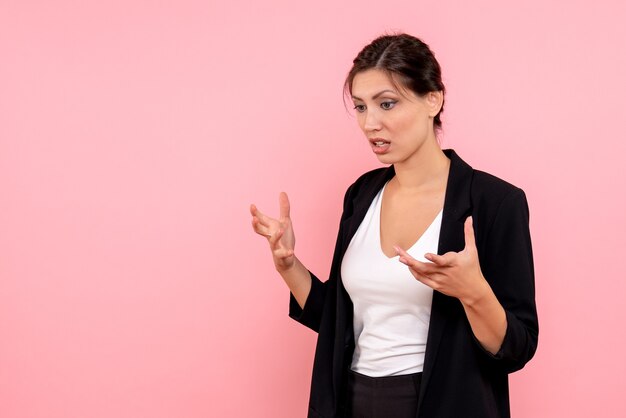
<point>481,293</point>
<point>282,268</point>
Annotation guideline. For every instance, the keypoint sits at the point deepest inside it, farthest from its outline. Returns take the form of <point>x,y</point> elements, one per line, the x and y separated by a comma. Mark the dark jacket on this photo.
<point>460,378</point>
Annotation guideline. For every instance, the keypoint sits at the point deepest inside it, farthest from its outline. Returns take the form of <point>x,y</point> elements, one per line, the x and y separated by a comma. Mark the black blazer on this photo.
<point>460,378</point>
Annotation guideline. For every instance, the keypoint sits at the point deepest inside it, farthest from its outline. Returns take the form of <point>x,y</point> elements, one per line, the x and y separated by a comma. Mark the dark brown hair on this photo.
<point>406,59</point>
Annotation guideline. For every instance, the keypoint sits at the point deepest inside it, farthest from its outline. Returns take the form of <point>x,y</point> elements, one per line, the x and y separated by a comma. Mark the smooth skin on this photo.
<point>282,242</point>
<point>386,111</point>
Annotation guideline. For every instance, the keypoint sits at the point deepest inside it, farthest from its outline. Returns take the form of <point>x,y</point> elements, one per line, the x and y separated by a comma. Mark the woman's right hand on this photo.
<point>279,233</point>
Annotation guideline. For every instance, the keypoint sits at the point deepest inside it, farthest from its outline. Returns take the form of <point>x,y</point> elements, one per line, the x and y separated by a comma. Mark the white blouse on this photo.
<point>391,307</point>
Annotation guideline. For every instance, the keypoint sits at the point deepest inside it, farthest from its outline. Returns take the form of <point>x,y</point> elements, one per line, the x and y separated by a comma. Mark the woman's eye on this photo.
<point>359,108</point>
<point>388,105</point>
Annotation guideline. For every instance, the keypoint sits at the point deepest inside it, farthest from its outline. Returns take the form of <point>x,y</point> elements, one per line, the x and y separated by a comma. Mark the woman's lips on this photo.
<point>379,145</point>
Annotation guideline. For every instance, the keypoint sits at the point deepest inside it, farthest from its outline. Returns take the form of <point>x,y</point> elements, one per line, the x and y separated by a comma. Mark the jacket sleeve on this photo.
<point>311,314</point>
<point>507,264</point>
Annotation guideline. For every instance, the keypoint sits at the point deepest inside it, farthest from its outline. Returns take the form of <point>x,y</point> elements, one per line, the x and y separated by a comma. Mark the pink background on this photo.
<point>134,135</point>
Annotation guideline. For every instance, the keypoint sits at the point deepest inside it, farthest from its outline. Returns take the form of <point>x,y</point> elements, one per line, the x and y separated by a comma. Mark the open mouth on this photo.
<point>380,146</point>
<point>377,142</point>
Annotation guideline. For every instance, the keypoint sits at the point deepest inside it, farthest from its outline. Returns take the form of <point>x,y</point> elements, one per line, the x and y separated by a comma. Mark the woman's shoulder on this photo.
<point>372,178</point>
<point>367,185</point>
<point>484,188</point>
<point>374,175</point>
<point>491,195</point>
<point>489,185</point>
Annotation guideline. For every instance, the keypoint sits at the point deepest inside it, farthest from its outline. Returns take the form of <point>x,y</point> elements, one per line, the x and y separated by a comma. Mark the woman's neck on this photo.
<point>426,169</point>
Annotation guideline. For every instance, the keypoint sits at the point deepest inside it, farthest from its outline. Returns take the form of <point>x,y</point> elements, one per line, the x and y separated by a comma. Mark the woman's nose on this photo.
<point>371,122</point>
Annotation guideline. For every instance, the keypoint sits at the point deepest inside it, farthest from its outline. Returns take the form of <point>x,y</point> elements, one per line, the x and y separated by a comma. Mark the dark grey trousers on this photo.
<point>383,397</point>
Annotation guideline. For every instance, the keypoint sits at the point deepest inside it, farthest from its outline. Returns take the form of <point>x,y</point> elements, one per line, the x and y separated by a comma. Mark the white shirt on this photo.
<point>391,307</point>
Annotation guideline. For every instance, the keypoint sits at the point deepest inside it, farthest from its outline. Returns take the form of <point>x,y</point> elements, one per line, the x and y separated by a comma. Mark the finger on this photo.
<point>400,251</point>
<point>423,268</point>
<point>263,219</point>
<point>406,258</point>
<point>259,229</point>
<point>253,209</point>
<point>439,260</point>
<point>283,201</point>
<point>470,240</point>
<point>275,238</point>
<point>256,226</point>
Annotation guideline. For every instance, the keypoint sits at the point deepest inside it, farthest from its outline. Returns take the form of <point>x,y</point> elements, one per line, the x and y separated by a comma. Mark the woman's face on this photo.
<point>396,123</point>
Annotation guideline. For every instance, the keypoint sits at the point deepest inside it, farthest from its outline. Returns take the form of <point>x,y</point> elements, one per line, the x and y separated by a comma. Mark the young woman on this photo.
<point>430,302</point>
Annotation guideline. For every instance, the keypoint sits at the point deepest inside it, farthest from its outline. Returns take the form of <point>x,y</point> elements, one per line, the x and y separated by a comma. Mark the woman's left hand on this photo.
<point>453,274</point>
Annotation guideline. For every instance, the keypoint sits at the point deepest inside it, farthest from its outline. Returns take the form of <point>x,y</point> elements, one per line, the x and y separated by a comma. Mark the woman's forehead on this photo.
<point>369,83</point>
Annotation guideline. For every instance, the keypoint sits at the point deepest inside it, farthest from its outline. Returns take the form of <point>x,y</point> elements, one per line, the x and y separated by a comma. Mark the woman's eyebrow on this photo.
<point>374,97</point>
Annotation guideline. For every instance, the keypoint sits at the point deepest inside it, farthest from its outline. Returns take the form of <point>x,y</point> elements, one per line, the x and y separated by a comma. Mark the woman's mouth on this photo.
<point>380,146</point>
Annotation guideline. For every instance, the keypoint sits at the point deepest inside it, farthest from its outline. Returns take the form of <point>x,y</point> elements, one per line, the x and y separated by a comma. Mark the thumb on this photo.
<point>470,240</point>
<point>283,201</point>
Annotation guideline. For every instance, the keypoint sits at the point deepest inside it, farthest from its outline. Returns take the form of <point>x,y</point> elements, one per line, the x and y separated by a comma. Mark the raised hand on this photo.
<point>459,275</point>
<point>279,233</point>
<point>454,274</point>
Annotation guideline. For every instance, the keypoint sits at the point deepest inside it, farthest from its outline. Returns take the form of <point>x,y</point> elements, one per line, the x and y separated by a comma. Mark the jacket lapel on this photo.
<point>361,204</point>
<point>355,213</point>
<point>456,208</point>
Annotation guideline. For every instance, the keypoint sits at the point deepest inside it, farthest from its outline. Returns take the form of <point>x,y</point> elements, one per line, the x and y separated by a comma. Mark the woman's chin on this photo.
<point>385,158</point>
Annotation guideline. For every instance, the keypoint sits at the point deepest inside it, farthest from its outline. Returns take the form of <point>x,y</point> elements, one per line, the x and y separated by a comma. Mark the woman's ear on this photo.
<point>434,100</point>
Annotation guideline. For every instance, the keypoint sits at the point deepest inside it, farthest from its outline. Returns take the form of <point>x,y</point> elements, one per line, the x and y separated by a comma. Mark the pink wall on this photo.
<point>133,137</point>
